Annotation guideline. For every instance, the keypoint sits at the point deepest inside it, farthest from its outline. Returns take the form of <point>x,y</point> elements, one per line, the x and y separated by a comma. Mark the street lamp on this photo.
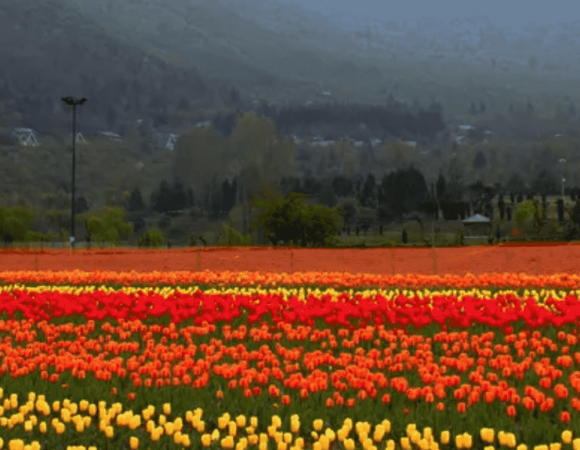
<point>562,160</point>
<point>74,103</point>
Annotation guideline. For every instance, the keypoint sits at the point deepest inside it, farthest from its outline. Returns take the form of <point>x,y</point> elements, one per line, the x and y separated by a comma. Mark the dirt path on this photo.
<point>531,259</point>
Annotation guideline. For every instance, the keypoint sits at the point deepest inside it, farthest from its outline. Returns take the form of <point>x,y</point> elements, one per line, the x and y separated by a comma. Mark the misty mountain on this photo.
<point>60,53</point>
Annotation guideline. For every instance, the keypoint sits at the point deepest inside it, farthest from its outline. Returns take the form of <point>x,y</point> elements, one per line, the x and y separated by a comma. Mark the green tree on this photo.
<point>288,219</point>
<point>107,225</point>
<point>319,225</point>
<point>531,213</point>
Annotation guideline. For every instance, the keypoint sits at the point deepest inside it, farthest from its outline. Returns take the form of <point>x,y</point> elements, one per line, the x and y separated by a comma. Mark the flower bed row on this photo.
<point>467,366</point>
<point>336,279</point>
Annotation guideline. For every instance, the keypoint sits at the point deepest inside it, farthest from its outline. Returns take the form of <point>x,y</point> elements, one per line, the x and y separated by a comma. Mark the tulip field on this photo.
<point>288,361</point>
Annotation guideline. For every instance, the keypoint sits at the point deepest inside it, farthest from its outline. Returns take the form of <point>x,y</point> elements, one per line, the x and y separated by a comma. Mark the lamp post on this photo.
<point>562,160</point>
<point>73,103</point>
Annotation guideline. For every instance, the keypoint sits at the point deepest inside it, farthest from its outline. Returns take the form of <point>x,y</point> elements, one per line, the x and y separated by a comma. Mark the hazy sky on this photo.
<point>514,13</point>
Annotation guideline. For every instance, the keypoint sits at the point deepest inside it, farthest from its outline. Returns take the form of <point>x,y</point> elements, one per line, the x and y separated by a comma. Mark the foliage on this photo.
<point>151,238</point>
<point>531,209</point>
<point>319,226</point>
<point>288,219</point>
<point>107,225</point>
<point>230,236</point>
<point>15,223</point>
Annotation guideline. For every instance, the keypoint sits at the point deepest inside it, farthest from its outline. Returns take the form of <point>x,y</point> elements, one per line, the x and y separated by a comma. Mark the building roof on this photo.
<point>478,218</point>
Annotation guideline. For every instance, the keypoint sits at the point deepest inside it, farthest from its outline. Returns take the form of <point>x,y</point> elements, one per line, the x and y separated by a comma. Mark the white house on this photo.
<point>171,141</point>
<point>25,137</point>
<point>110,135</point>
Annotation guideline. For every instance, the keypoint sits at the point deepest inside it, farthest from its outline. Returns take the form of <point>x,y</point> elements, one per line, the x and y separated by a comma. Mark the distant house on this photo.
<point>25,136</point>
<point>205,124</point>
<point>477,226</point>
<point>165,141</point>
<point>80,139</point>
<point>110,135</point>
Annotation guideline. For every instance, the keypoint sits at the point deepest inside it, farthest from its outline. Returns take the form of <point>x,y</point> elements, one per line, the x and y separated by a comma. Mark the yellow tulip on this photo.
<point>135,422</point>
<point>405,443</point>
<point>576,444</point>
<point>276,421</point>
<point>35,445</point>
<point>410,429</point>
<point>522,447</point>
<point>379,433</point>
<point>162,419</point>
<point>241,421</point>
<point>215,436</point>
<point>92,409</point>
<point>349,444</point>
<point>166,409</point>
<point>467,440</point>
<point>177,437</point>
<point>555,446</point>
<point>254,422</point>
<point>263,438</point>
<point>300,442</point>
<point>200,426</point>
<point>316,446</point>
<point>510,440</point>
<point>282,446</point>
<point>387,426</point>
<point>28,426</point>
<point>278,437</point>
<point>367,443</point>
<point>424,444</point>
<point>109,431</point>
<point>206,440</point>
<point>16,444</point>
<point>60,428</point>
<point>168,428</point>
<point>489,447</point>
<point>84,405</point>
<point>233,428</point>
<point>566,436</point>
<point>42,427</point>
<point>287,438</point>
<point>459,441</point>
<point>263,446</point>
<point>133,442</point>
<point>56,406</point>
<point>330,434</point>
<point>185,441</point>
<point>227,442</point>
<point>318,424</point>
<point>253,439</point>
<point>294,426</point>
<point>428,433</point>
<point>415,437</point>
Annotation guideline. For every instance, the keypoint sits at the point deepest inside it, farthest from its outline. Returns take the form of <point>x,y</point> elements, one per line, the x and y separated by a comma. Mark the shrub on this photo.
<point>151,238</point>
<point>231,236</point>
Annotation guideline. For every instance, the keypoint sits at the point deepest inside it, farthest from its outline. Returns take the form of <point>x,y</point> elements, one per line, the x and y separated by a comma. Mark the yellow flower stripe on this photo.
<point>539,295</point>
<point>229,429</point>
